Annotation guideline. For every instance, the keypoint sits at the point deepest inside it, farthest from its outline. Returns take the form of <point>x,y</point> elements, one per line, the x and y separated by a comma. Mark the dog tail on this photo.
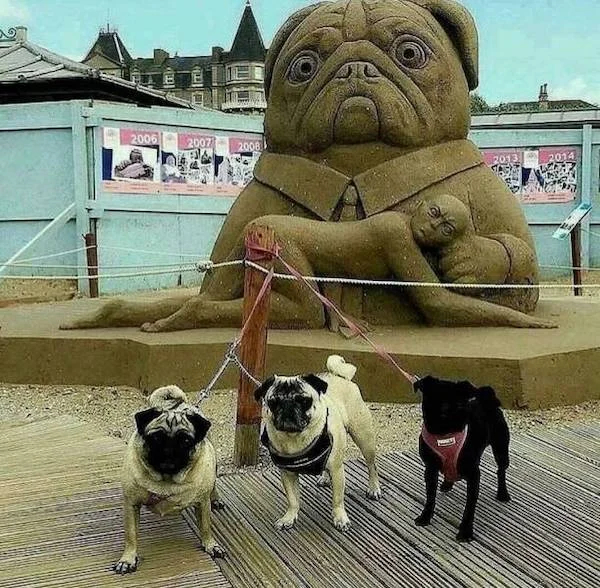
<point>337,365</point>
<point>167,397</point>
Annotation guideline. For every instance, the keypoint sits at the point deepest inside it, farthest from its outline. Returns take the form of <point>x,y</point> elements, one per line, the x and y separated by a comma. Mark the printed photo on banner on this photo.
<point>550,175</point>
<point>537,175</point>
<point>235,158</point>
<point>130,160</point>
<point>506,164</point>
<point>188,163</point>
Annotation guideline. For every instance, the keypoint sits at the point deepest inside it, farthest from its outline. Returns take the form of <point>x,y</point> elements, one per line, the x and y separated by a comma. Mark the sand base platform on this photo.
<point>528,367</point>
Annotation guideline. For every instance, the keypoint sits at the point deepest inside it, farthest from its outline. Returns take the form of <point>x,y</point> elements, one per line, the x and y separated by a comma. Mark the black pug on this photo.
<point>459,422</point>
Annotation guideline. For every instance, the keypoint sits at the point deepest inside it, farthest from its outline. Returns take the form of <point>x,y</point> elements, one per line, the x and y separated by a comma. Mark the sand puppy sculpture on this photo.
<point>368,112</point>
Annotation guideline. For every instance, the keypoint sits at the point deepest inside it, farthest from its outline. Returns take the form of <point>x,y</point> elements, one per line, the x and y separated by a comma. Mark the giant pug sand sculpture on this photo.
<point>368,113</point>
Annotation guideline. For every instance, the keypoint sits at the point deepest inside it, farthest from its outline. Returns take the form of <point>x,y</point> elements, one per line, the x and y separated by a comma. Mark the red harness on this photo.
<point>447,448</point>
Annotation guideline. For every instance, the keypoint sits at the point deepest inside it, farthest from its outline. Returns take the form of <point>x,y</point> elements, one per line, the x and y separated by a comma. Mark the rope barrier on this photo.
<point>147,251</point>
<point>103,276</point>
<point>50,255</point>
<point>358,282</point>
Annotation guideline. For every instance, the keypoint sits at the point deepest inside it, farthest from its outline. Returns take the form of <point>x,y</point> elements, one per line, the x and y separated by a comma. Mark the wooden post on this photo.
<point>576,258</point>
<point>253,348</point>
<point>92,261</point>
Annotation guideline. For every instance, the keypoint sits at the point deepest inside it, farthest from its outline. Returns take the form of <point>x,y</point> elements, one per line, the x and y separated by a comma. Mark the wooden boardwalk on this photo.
<point>60,516</point>
<point>60,522</point>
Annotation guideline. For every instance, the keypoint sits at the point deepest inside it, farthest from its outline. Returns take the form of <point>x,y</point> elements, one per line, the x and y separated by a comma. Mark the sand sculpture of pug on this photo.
<point>368,112</point>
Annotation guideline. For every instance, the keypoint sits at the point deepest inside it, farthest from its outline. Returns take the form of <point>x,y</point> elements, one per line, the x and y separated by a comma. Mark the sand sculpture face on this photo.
<point>438,221</point>
<point>381,70</point>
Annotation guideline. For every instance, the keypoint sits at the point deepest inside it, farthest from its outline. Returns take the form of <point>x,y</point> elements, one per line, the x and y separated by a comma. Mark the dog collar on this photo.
<point>447,448</point>
<point>311,461</point>
<point>153,499</point>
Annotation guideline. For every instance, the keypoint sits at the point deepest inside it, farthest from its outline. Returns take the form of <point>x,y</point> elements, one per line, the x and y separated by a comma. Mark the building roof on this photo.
<point>24,64</point>
<point>177,63</point>
<point>109,45</point>
<point>248,44</point>
<point>536,105</point>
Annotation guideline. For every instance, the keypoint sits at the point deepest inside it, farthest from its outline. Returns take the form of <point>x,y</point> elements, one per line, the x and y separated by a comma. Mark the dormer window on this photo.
<point>197,78</point>
<point>135,78</point>
<point>169,79</point>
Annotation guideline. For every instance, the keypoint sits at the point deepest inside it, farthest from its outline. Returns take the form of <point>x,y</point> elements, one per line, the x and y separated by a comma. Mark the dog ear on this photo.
<point>144,417</point>
<point>283,34</point>
<point>460,27</point>
<point>489,397</point>
<point>317,383</point>
<point>422,383</point>
<point>260,392</point>
<point>201,425</point>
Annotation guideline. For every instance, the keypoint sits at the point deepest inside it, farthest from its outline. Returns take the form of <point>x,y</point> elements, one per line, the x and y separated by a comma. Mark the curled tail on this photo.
<point>167,397</point>
<point>337,365</point>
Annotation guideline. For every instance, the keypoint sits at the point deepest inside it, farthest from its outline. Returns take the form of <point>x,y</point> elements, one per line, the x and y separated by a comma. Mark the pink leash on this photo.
<point>350,324</point>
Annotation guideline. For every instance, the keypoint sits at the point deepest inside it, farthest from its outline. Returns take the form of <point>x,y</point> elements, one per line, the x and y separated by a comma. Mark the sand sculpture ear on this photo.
<point>460,27</point>
<point>288,27</point>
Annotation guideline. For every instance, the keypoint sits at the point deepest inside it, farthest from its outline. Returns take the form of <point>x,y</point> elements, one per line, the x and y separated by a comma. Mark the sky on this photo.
<point>523,43</point>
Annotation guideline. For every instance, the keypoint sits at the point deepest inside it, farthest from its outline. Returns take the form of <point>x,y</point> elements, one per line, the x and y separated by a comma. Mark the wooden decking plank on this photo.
<point>61,522</point>
<point>366,536</point>
<point>499,527</point>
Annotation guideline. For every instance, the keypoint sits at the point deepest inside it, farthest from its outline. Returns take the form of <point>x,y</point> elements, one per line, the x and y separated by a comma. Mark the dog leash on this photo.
<point>230,354</point>
<point>412,378</point>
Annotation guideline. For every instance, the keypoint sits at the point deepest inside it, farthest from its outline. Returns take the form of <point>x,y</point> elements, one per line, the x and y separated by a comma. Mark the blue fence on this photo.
<point>54,187</point>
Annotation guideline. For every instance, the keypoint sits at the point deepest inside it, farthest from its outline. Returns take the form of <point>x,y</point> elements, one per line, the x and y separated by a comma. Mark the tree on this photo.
<point>478,104</point>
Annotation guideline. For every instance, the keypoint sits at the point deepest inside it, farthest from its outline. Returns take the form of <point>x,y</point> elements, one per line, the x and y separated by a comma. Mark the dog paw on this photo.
<point>423,520</point>
<point>446,486</point>
<point>125,566</point>
<point>215,551</point>
<point>374,493</point>
<point>341,522</point>
<point>217,505</point>
<point>503,496</point>
<point>465,536</point>
<point>286,522</point>
<point>324,481</point>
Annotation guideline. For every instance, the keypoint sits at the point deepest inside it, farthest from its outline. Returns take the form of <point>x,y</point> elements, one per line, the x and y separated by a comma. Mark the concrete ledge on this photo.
<point>533,368</point>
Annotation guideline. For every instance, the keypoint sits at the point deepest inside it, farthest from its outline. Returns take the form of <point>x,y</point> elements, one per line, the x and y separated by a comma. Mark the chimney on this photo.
<point>160,56</point>
<point>543,97</point>
<point>21,35</point>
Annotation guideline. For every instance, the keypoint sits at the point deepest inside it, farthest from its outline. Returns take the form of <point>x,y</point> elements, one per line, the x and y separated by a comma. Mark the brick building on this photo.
<point>231,81</point>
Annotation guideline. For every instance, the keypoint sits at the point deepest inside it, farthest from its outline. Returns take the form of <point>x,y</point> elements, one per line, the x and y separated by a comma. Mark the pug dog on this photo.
<point>169,465</point>
<point>459,422</point>
<point>306,419</point>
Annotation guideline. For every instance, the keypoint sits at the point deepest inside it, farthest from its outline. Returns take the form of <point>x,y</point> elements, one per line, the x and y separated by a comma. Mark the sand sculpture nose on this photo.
<point>358,69</point>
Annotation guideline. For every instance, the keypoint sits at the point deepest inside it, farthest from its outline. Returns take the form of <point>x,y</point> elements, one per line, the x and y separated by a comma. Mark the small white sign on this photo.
<point>169,142</point>
<point>112,137</point>
<point>531,159</point>
<point>572,221</point>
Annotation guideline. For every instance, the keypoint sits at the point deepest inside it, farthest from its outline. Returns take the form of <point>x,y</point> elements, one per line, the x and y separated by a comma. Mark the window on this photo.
<point>169,79</point>
<point>135,78</point>
<point>243,95</point>
<point>197,78</point>
<point>243,72</point>
<point>197,99</point>
<point>258,72</point>
<point>229,73</point>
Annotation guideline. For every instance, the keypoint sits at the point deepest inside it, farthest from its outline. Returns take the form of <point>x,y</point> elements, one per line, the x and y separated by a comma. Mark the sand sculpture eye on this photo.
<point>304,67</point>
<point>435,212</point>
<point>447,229</point>
<point>411,52</point>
